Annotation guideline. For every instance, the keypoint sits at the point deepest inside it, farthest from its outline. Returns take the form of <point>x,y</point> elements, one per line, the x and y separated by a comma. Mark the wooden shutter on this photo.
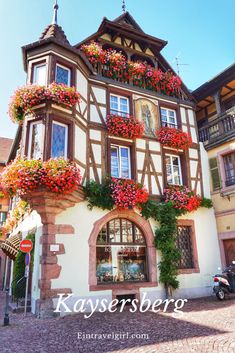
<point>214,173</point>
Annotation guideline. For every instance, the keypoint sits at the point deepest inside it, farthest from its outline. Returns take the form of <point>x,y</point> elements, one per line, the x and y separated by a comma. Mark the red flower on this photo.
<point>128,194</point>
<point>174,138</point>
<point>128,127</point>
<point>182,198</point>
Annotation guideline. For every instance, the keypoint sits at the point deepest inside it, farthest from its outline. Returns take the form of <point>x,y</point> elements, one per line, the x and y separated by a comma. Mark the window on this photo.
<point>215,176</point>
<point>120,162</point>
<point>63,75</point>
<point>39,74</point>
<point>173,170</point>
<point>121,253</point>
<point>229,167</point>
<point>59,140</point>
<point>184,244</point>
<point>168,118</point>
<point>119,105</point>
<point>36,140</point>
<point>3,217</point>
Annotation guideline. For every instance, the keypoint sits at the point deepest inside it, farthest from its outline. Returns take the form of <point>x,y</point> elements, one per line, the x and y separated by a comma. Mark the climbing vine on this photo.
<point>164,212</point>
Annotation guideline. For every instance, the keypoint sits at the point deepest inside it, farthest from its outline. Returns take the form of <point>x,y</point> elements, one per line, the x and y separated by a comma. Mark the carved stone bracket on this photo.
<point>48,205</point>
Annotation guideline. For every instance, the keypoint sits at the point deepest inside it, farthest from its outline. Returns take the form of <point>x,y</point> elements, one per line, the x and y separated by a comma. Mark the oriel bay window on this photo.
<point>168,118</point>
<point>121,253</point>
<point>173,170</point>
<point>119,105</point>
<point>63,75</point>
<point>120,161</point>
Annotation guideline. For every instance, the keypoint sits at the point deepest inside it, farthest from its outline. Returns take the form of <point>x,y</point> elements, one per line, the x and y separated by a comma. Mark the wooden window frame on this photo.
<point>196,268</point>
<point>27,135</point>
<point>56,122</point>
<point>38,63</point>
<point>119,111</point>
<point>118,147</point>
<point>56,60</point>
<point>120,93</point>
<point>65,68</point>
<point>169,106</point>
<point>179,165</point>
<point>132,155</point>
<point>71,129</point>
<point>184,167</point>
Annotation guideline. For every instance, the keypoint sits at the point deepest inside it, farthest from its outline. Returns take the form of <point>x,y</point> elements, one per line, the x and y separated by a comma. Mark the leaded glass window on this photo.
<point>59,140</point>
<point>184,244</point>
<point>36,140</point>
<point>120,162</point>
<point>121,254</point>
<point>63,75</point>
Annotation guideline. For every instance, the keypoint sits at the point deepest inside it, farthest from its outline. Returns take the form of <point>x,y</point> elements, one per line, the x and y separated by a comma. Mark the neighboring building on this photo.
<point>5,147</point>
<point>69,246</point>
<point>216,124</point>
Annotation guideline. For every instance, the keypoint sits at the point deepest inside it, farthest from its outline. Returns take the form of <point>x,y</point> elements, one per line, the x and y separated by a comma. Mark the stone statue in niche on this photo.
<point>147,112</point>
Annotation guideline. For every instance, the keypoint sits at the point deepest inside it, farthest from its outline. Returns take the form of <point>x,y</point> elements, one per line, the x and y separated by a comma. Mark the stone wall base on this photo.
<point>45,309</point>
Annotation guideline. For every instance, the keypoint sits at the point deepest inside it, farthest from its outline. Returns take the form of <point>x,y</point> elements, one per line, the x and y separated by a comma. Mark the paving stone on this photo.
<point>208,326</point>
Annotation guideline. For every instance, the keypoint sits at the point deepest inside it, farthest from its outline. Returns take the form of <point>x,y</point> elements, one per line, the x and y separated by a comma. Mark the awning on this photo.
<point>11,246</point>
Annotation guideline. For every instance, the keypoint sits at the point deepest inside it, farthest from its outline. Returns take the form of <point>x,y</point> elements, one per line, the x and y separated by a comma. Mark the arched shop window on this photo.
<point>121,253</point>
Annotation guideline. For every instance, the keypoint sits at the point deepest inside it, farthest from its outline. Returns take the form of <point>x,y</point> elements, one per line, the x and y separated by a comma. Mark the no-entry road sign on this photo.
<point>26,245</point>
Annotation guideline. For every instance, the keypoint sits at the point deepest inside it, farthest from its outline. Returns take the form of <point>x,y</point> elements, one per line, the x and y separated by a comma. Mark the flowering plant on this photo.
<point>182,198</point>
<point>174,138</point>
<point>128,194</point>
<point>57,175</point>
<point>116,66</point>
<point>27,97</point>
<point>60,176</point>
<point>15,215</point>
<point>128,127</point>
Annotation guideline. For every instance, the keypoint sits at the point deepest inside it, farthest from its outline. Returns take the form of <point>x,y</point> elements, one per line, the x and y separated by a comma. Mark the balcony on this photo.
<point>219,130</point>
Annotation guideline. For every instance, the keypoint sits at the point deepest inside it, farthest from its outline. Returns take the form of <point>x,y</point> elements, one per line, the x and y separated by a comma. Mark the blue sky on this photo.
<point>201,32</point>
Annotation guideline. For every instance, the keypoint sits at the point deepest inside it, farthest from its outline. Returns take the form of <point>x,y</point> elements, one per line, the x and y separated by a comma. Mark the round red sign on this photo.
<point>26,245</point>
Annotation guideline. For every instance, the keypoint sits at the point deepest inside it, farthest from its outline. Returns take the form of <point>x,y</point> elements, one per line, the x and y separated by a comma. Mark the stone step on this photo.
<point>13,307</point>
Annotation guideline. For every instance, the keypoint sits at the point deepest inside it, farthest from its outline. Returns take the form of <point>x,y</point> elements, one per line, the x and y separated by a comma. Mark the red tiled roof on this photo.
<point>5,147</point>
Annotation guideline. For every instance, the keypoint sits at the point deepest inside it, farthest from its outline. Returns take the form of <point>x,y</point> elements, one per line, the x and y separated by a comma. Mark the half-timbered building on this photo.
<point>71,240</point>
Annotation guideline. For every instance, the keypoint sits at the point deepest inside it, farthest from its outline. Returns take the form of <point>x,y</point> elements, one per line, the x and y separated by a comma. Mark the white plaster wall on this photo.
<point>81,84</point>
<point>191,117</point>
<point>100,94</point>
<point>183,115</point>
<point>80,144</point>
<point>75,261</point>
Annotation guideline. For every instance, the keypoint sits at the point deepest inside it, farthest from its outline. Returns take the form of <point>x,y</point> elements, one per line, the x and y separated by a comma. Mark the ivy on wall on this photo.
<point>100,195</point>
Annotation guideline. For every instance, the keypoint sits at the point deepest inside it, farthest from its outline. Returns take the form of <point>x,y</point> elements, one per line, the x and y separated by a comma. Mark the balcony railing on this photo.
<point>220,129</point>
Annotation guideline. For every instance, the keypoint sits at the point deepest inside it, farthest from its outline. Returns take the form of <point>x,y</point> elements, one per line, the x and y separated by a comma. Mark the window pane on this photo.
<point>124,105</point>
<point>184,244</point>
<point>59,141</point>
<point>121,261</point>
<point>125,162</point>
<point>39,76</point>
<point>114,163</point>
<point>62,75</point>
<point>36,149</point>
<point>175,160</point>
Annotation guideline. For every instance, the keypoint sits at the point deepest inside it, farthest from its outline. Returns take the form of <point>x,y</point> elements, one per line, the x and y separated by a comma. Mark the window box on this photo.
<point>127,127</point>
<point>174,138</point>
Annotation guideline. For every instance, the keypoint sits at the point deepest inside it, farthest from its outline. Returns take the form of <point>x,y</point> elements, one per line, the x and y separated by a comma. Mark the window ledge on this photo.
<point>124,285</point>
<point>185,271</point>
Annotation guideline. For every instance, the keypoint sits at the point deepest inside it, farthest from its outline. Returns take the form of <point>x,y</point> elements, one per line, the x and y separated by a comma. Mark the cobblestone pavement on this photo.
<point>208,326</point>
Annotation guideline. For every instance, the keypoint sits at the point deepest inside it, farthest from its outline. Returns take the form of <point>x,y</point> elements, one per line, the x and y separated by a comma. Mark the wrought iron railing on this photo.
<point>218,129</point>
<point>18,289</point>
